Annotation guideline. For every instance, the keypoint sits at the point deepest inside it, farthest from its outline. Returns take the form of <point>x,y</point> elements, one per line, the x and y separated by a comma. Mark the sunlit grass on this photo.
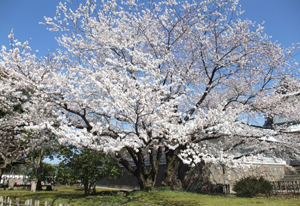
<point>75,195</point>
<point>169,198</point>
<point>68,195</point>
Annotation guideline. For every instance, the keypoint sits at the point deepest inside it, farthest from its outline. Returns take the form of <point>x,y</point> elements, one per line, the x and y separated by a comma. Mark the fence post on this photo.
<point>36,203</point>
<point>9,201</point>
<point>285,186</point>
<point>279,184</point>
<point>275,186</point>
<point>1,201</point>
<point>28,202</point>
<point>293,186</point>
<point>17,201</point>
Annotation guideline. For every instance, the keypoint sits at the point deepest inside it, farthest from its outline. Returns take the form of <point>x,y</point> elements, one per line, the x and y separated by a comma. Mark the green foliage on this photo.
<point>149,189</point>
<point>87,166</point>
<point>251,186</point>
<point>46,172</point>
<point>164,188</point>
<point>265,186</point>
<point>16,169</point>
<point>247,187</point>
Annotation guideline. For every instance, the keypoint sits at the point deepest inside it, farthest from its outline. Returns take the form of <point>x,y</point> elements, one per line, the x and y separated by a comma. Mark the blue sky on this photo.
<point>282,21</point>
<point>24,17</point>
<point>281,17</point>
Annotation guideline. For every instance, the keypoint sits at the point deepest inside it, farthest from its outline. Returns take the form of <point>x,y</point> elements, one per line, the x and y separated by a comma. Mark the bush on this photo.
<point>251,186</point>
<point>164,188</point>
<point>148,189</point>
<point>265,186</point>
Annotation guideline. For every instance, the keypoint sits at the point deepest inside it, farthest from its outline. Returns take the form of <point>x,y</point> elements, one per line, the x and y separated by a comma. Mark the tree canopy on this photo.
<point>86,166</point>
<point>187,81</point>
<point>46,172</point>
<point>23,113</point>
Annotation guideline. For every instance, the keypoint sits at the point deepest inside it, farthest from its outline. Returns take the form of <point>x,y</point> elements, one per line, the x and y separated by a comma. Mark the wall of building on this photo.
<point>129,181</point>
<point>201,178</point>
<point>20,178</point>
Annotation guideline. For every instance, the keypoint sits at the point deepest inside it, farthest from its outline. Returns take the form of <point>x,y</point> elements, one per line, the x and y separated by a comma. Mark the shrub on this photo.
<point>265,186</point>
<point>251,186</point>
<point>148,189</point>
<point>164,188</point>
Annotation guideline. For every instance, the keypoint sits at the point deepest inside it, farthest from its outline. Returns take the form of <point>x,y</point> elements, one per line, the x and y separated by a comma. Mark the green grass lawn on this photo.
<point>183,198</point>
<point>75,195</point>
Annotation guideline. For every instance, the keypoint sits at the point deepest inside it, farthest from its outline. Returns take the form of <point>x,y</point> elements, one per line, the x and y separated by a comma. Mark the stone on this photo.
<point>204,176</point>
<point>11,184</point>
<point>33,186</point>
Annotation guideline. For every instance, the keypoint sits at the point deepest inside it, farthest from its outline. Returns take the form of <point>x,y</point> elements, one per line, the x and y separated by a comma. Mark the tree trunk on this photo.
<point>94,188</point>
<point>86,188</point>
<point>145,174</point>
<point>33,185</point>
<point>37,167</point>
<point>1,173</point>
<point>146,181</point>
<point>172,171</point>
<point>39,185</point>
<point>3,167</point>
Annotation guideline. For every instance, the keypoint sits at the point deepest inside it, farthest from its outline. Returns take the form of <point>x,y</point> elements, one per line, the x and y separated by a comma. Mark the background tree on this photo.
<point>88,166</point>
<point>47,148</point>
<point>24,115</point>
<point>45,173</point>
<point>13,111</point>
<point>188,80</point>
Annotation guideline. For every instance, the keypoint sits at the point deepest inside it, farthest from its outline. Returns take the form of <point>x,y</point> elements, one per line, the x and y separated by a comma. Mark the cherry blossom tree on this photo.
<point>23,113</point>
<point>188,81</point>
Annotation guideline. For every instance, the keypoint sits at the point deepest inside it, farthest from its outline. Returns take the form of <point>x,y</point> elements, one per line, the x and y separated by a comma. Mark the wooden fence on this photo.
<point>278,187</point>
<point>7,201</point>
<point>286,187</point>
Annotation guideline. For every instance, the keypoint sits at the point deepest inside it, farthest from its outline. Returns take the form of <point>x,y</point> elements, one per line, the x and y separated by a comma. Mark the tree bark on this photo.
<point>94,188</point>
<point>37,166</point>
<point>146,180</point>
<point>172,171</point>
<point>145,174</point>
<point>39,185</point>
<point>1,173</point>
<point>86,187</point>
<point>3,167</point>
